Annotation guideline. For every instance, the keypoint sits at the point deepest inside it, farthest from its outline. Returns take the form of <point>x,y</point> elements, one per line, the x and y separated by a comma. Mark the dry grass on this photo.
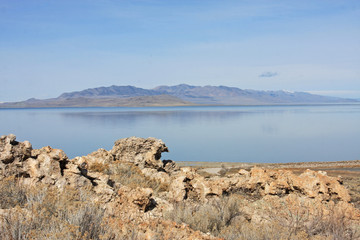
<point>224,217</point>
<point>212,216</point>
<point>43,213</point>
<point>99,167</point>
<point>12,193</point>
<point>352,183</point>
<point>130,175</point>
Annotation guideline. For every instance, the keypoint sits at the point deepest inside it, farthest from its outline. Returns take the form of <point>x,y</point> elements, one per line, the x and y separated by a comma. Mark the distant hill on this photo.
<point>182,94</point>
<point>112,91</point>
<point>237,96</point>
<point>208,95</point>
<point>141,101</point>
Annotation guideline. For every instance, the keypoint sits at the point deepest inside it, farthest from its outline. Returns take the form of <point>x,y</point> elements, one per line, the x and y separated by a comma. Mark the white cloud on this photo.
<point>268,74</point>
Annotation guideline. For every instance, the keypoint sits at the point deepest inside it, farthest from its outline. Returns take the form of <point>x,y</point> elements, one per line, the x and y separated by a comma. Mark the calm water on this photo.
<point>242,134</point>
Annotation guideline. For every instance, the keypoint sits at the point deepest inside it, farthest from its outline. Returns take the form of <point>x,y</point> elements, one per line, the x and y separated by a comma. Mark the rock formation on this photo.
<point>129,206</point>
<point>144,153</point>
<point>12,154</point>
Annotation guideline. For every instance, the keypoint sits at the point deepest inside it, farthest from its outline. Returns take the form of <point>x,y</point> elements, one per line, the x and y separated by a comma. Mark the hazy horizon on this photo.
<point>51,47</point>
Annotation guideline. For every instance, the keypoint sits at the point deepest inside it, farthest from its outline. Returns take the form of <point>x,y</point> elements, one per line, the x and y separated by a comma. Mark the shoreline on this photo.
<point>291,165</point>
<point>9,105</point>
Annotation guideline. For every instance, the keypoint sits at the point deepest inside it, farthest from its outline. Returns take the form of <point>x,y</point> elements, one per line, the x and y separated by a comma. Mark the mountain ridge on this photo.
<point>222,95</point>
<point>177,95</point>
<point>138,101</point>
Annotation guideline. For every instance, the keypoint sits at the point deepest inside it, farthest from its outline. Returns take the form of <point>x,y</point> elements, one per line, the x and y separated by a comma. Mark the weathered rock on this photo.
<point>144,153</point>
<point>140,197</point>
<point>46,165</point>
<point>74,177</point>
<point>310,183</point>
<point>294,207</point>
<point>170,166</point>
<point>180,187</point>
<point>160,176</point>
<point>259,182</point>
<point>168,230</point>
<point>319,185</point>
<point>52,167</point>
<point>95,161</point>
<point>136,211</point>
<point>135,201</point>
<point>12,154</point>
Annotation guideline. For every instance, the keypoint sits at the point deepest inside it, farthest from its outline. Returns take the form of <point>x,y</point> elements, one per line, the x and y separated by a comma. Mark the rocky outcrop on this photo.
<point>45,165</point>
<point>144,153</point>
<point>259,182</point>
<point>12,154</point>
<point>96,160</point>
<point>141,208</point>
<point>51,167</point>
<point>280,182</point>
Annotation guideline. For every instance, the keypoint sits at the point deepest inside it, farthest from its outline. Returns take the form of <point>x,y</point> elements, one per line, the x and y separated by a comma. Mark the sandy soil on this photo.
<point>212,170</point>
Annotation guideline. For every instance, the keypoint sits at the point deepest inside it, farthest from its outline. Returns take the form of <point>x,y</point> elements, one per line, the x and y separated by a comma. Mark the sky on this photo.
<point>48,47</point>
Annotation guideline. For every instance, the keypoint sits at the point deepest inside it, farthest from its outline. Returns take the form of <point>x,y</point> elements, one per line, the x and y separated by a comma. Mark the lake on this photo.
<point>260,134</point>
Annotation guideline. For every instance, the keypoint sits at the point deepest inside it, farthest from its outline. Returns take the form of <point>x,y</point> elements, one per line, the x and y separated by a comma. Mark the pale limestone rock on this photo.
<point>46,165</point>
<point>135,201</point>
<point>258,181</point>
<point>12,155</point>
<point>95,159</point>
<point>319,185</point>
<point>145,153</point>
<point>313,191</point>
<point>244,172</point>
<point>52,167</point>
<point>178,188</point>
<point>170,166</point>
<point>162,177</point>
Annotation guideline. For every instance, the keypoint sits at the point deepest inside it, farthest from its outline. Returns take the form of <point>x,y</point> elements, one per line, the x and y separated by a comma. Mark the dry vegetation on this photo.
<point>42,213</point>
<point>129,175</point>
<point>107,195</point>
<point>224,218</point>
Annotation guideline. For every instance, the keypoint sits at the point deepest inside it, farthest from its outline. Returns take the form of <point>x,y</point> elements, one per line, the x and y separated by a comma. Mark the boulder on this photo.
<point>12,155</point>
<point>134,201</point>
<point>144,153</point>
<point>159,176</point>
<point>319,185</point>
<point>180,187</point>
<point>46,165</point>
<point>95,161</point>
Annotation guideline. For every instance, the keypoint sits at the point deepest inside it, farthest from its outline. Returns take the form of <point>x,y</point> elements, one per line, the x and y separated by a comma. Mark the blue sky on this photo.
<point>50,47</point>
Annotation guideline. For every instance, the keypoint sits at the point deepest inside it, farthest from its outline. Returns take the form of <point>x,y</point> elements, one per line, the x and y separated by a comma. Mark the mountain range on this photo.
<point>178,95</point>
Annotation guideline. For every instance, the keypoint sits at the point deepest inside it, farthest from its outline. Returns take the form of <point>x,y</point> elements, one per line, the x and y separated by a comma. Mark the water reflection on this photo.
<point>244,134</point>
<point>134,117</point>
